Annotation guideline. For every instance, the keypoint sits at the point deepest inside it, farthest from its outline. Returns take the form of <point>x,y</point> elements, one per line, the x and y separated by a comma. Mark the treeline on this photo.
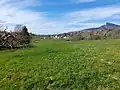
<point>95,35</point>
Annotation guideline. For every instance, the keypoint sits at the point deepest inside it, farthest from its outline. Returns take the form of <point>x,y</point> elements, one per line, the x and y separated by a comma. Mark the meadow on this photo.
<point>62,65</point>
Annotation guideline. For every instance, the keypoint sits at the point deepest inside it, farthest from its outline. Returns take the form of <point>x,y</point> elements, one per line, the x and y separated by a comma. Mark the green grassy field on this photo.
<point>62,65</point>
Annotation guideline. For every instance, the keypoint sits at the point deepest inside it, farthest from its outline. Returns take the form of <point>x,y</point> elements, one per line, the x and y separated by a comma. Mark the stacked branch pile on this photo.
<point>19,38</point>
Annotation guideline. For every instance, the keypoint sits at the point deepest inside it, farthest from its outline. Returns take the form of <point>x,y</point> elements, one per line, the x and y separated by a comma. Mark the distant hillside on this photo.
<point>107,31</point>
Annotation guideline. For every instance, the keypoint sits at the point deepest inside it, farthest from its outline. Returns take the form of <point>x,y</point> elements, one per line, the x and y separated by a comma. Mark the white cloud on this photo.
<point>83,1</point>
<point>95,13</point>
<point>16,12</point>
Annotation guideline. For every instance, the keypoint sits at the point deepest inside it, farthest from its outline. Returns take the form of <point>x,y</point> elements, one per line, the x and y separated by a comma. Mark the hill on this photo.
<point>107,31</point>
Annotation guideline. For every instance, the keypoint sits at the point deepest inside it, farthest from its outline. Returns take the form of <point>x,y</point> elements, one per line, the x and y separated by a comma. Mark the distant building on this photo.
<point>56,37</point>
<point>44,37</point>
<point>65,37</point>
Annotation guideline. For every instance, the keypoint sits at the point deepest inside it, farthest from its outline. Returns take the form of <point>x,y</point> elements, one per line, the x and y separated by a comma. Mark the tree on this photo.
<point>22,34</point>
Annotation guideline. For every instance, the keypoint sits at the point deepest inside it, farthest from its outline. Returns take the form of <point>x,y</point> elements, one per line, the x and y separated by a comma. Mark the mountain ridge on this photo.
<point>103,27</point>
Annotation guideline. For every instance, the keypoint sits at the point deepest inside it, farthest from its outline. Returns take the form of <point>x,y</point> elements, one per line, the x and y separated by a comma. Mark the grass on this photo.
<point>62,65</point>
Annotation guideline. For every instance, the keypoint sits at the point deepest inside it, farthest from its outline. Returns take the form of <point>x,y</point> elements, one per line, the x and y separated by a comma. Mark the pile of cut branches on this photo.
<point>20,37</point>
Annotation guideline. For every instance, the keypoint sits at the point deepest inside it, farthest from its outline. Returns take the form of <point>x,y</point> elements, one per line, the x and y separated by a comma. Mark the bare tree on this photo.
<point>22,34</point>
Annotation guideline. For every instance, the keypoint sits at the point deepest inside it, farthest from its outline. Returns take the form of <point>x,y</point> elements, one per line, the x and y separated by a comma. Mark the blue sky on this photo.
<point>58,16</point>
